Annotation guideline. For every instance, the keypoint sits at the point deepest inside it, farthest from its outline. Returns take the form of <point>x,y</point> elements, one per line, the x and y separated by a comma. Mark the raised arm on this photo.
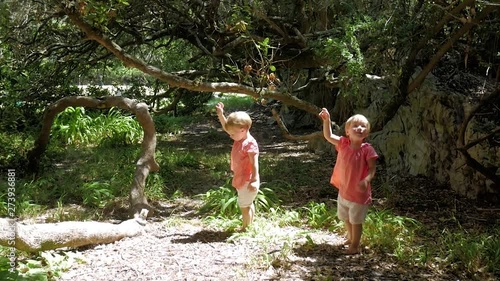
<point>219,108</point>
<point>327,127</point>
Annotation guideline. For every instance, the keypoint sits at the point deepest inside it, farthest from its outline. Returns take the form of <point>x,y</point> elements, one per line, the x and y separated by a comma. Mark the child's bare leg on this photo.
<point>356,230</point>
<point>348,227</point>
<point>247,214</point>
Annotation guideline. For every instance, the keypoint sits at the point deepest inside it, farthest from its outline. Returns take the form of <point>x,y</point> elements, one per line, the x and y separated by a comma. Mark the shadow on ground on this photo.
<point>204,236</point>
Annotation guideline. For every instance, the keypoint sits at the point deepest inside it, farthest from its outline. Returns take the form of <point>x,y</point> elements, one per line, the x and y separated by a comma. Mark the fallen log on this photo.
<point>50,236</point>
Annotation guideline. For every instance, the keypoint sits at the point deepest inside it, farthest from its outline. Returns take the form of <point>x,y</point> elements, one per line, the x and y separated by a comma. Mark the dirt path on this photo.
<point>188,251</point>
<point>179,246</point>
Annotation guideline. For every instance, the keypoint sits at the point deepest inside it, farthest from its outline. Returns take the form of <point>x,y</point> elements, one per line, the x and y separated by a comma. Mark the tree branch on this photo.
<point>144,165</point>
<point>176,81</point>
<point>462,148</point>
<point>445,47</point>
<point>475,142</point>
<point>461,134</point>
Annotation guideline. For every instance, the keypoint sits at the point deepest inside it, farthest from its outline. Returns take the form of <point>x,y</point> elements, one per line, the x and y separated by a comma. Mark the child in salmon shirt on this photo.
<point>244,160</point>
<point>352,174</point>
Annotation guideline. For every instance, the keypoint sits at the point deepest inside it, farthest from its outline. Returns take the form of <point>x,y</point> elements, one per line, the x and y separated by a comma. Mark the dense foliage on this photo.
<point>288,46</point>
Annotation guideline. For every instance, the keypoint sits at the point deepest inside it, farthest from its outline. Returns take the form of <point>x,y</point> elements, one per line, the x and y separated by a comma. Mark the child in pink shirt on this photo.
<point>352,174</point>
<point>244,160</point>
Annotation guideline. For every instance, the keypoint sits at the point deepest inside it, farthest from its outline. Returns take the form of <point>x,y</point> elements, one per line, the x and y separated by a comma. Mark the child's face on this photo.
<point>357,130</point>
<point>237,133</point>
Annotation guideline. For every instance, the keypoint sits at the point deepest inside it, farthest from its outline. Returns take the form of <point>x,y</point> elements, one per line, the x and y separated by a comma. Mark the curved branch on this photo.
<point>471,162</point>
<point>173,105</point>
<point>233,44</point>
<point>461,135</point>
<point>272,24</point>
<point>144,165</point>
<point>474,143</point>
<point>176,81</point>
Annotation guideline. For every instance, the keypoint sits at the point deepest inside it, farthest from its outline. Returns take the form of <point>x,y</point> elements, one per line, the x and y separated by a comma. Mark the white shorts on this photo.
<point>349,211</point>
<point>245,196</point>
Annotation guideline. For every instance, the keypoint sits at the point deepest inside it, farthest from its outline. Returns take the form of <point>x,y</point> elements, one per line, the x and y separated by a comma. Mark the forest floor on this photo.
<point>178,245</point>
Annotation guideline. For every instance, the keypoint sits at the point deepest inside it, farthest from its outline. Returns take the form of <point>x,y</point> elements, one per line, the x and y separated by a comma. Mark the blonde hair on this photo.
<point>239,119</point>
<point>357,118</point>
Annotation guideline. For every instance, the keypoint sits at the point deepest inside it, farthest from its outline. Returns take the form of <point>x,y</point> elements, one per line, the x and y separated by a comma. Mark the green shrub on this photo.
<point>220,202</point>
<point>117,129</point>
<point>191,101</point>
<point>266,200</point>
<point>492,252</point>
<point>389,233</point>
<point>75,126</point>
<point>96,194</point>
<point>224,201</point>
<point>13,149</point>
<point>471,251</point>
<point>318,215</point>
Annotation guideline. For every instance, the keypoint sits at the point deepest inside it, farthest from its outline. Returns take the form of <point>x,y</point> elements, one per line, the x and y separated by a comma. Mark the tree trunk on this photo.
<point>146,162</point>
<point>49,236</point>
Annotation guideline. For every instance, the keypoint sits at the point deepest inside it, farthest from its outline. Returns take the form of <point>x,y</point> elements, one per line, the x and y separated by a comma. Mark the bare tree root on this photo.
<point>50,236</point>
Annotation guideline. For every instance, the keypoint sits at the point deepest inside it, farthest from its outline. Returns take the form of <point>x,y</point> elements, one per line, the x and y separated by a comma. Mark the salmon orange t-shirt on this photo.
<point>240,162</point>
<point>351,167</point>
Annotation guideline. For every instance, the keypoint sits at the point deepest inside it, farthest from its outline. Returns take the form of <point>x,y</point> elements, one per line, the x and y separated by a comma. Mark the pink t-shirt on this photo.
<point>240,163</point>
<point>351,167</point>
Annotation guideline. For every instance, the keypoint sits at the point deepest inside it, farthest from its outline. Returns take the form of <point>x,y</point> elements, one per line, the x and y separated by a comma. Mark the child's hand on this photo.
<point>324,114</point>
<point>363,185</point>
<point>219,108</point>
<point>253,186</point>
